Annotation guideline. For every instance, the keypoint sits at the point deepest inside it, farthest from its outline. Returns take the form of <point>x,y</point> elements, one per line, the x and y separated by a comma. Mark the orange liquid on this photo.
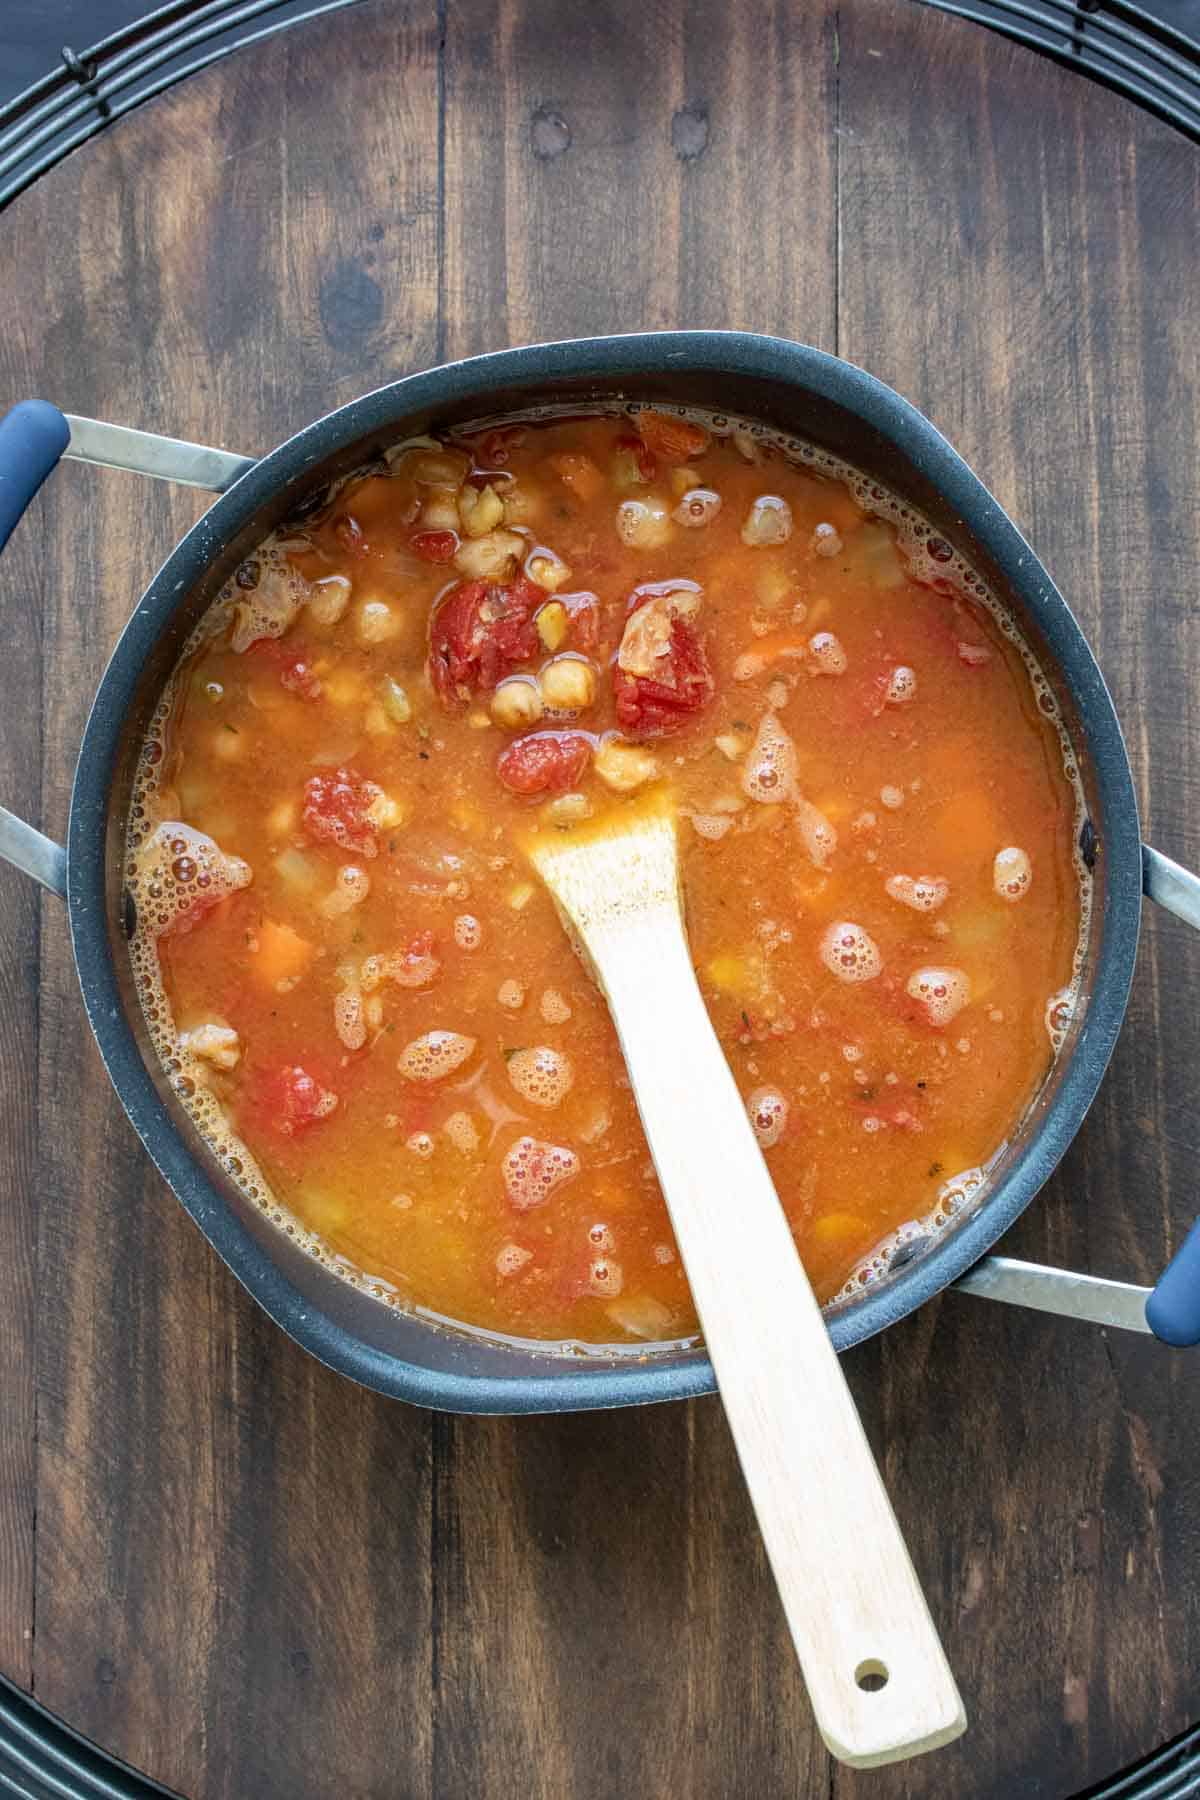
<point>875,1105</point>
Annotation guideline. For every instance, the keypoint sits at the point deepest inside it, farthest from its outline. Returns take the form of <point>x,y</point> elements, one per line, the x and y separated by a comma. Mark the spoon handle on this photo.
<point>877,1676</point>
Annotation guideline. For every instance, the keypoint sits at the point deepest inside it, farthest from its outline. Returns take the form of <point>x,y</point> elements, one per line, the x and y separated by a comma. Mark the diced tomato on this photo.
<point>290,1100</point>
<point>480,632</point>
<point>292,663</point>
<point>435,546</point>
<point>674,439</point>
<point>635,464</point>
<point>548,762</point>
<point>335,810</point>
<point>585,624</point>
<point>655,706</point>
<point>298,678</point>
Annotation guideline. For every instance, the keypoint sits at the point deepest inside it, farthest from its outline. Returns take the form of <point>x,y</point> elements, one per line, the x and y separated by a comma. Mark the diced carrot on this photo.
<point>674,439</point>
<point>282,953</point>
<point>579,473</point>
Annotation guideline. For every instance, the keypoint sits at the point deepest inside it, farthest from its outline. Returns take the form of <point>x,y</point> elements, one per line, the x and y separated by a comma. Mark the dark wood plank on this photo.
<point>22,600</point>
<point>252,1578</point>
<point>1021,271</point>
<point>225,1529</point>
<point>591,173</point>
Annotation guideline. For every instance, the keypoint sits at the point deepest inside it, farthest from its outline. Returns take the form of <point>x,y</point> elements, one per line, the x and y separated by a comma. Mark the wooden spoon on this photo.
<point>877,1676</point>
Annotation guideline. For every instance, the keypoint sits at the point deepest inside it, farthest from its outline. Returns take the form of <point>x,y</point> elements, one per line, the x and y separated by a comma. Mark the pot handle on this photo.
<point>33,437</point>
<point>1170,1309</point>
<point>1173,1309</point>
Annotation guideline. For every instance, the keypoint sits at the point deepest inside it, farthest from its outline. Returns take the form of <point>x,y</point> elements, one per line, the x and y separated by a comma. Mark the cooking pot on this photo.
<point>797,390</point>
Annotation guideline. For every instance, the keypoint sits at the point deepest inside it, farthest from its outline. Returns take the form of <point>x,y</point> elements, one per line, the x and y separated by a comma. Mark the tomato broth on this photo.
<point>368,1003</point>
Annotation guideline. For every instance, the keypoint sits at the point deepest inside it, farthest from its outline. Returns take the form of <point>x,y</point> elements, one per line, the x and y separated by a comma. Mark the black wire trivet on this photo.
<point>1120,45</point>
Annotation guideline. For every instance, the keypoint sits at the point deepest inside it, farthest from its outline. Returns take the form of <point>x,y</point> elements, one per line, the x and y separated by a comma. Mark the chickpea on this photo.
<point>385,813</point>
<point>376,622</point>
<point>489,558</point>
<point>480,510</point>
<point>517,702</point>
<point>769,521</point>
<point>568,684</point>
<point>440,511</point>
<point>624,767</point>
<point>568,809</point>
<point>683,479</point>
<point>547,570</point>
<point>328,600</point>
<point>439,468</point>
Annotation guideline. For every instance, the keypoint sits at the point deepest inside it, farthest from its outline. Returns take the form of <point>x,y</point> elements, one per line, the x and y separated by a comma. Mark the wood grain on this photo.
<point>252,1579</point>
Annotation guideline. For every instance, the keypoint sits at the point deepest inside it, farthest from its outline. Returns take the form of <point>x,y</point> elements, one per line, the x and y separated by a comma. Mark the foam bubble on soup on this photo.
<point>901,687</point>
<point>435,1055</point>
<point>348,1020</point>
<point>216,1044</point>
<point>827,654</point>
<point>180,874</point>
<point>542,1076</point>
<point>468,932</point>
<point>267,610</point>
<point>1012,873</point>
<point>461,1130</point>
<point>768,1110</point>
<point>769,772</point>
<point>512,1259</point>
<point>850,953</point>
<point>942,992</point>
<point>924,893</point>
<point>533,1169</point>
<point>820,837</point>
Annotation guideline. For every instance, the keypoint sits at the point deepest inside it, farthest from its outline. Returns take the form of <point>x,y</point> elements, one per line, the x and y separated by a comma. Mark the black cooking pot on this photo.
<point>791,388</point>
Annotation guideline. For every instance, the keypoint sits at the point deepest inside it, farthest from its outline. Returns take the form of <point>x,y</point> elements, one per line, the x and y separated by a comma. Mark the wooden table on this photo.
<point>219,1560</point>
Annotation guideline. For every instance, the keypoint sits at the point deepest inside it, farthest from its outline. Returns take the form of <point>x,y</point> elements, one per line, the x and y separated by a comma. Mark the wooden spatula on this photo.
<point>877,1676</point>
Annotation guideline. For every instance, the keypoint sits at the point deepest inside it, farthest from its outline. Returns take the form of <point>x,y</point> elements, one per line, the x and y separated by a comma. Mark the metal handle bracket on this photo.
<point>145,453</point>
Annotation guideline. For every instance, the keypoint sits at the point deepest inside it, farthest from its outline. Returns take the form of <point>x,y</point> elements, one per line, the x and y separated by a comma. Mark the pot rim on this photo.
<point>562,1383</point>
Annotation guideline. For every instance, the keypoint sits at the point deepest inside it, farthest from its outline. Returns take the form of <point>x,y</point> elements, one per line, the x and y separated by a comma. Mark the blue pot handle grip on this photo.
<point>33,437</point>
<point>1173,1307</point>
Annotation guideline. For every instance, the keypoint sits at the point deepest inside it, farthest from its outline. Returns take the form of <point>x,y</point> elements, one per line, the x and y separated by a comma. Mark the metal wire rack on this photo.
<point>1121,45</point>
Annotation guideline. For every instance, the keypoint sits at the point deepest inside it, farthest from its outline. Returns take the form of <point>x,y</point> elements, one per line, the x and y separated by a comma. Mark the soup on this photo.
<point>366,1000</point>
